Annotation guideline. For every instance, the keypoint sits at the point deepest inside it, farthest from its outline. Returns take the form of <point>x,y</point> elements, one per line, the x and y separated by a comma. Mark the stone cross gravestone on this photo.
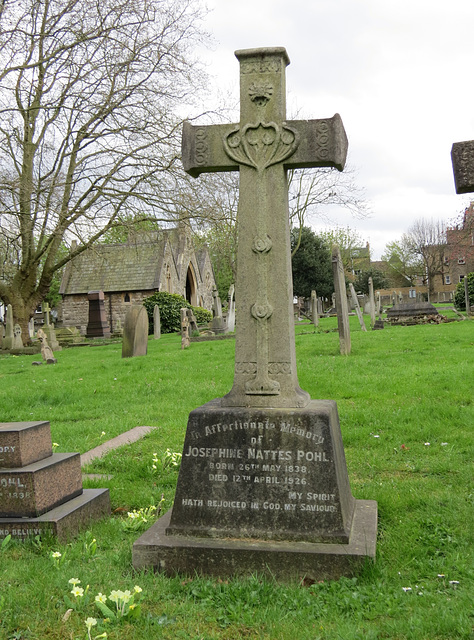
<point>263,483</point>
<point>156,322</point>
<point>9,335</point>
<point>135,332</point>
<point>355,302</point>
<point>340,297</point>
<point>462,156</point>
<point>217,324</point>
<point>41,491</point>
<point>185,341</point>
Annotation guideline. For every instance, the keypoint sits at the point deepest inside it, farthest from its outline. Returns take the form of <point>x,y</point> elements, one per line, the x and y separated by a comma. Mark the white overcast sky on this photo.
<point>399,72</point>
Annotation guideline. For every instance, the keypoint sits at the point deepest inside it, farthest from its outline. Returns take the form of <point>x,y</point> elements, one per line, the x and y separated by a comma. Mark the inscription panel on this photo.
<point>268,474</point>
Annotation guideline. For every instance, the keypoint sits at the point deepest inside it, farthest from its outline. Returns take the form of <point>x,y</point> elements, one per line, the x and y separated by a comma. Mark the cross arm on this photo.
<point>322,143</point>
<point>462,156</point>
<point>203,151</point>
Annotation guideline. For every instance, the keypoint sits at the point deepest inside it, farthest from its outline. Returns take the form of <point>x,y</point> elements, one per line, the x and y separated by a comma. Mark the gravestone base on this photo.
<point>262,490</point>
<point>285,561</point>
<point>62,522</point>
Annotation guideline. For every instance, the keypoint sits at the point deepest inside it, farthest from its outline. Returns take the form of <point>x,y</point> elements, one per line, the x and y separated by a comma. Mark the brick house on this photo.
<point>459,254</point>
<point>128,273</point>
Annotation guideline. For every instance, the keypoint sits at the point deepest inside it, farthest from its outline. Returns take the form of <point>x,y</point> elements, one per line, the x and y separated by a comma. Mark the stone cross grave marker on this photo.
<point>185,341</point>
<point>371,301</point>
<point>46,311</point>
<point>340,295</point>
<point>462,156</point>
<point>263,483</point>
<point>217,324</point>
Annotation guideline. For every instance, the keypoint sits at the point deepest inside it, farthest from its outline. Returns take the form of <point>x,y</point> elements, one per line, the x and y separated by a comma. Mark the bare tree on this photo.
<point>89,96</point>
<point>427,240</point>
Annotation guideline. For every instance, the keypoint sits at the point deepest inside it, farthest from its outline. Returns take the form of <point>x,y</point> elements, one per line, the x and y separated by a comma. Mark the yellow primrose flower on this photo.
<point>74,581</point>
<point>126,595</point>
<point>56,554</point>
<point>137,589</point>
<point>100,597</point>
<point>90,622</point>
<point>77,592</point>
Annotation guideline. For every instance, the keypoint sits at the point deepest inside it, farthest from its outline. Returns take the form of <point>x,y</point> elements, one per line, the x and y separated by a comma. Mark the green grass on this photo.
<point>407,385</point>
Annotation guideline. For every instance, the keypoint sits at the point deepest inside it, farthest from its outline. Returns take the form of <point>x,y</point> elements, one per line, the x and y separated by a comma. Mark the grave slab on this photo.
<point>40,486</point>
<point>22,443</point>
<point>63,521</point>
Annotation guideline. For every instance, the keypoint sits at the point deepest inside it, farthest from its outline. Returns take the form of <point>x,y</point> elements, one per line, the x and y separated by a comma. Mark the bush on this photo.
<point>459,297</point>
<point>170,305</point>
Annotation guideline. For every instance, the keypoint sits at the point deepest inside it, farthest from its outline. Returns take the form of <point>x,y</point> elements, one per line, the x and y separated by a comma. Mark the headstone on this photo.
<point>263,484</point>
<point>193,326</point>
<point>17,341</point>
<point>46,350</point>
<point>378,324</point>
<point>41,491</point>
<point>413,312</point>
<point>31,328</point>
<point>355,302</point>
<point>394,298</point>
<point>231,310</point>
<point>185,342</point>
<point>97,326</point>
<point>371,302</point>
<point>378,305</point>
<point>341,302</point>
<point>314,309</point>
<point>462,156</point>
<point>217,324</point>
<point>9,335</point>
<point>48,328</point>
<point>46,310</point>
<point>135,332</point>
<point>156,323</point>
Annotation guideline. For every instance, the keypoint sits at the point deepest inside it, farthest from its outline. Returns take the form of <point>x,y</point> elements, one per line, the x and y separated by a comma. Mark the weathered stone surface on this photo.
<point>156,323</point>
<point>63,521</point>
<point>272,474</point>
<point>97,326</point>
<point>40,486</point>
<point>462,156</point>
<point>22,443</point>
<point>7,342</point>
<point>286,561</point>
<point>412,309</point>
<point>135,332</point>
<point>356,304</point>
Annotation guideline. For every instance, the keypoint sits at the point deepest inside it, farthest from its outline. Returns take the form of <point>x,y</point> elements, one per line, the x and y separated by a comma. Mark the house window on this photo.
<point>461,278</point>
<point>461,260</point>
<point>126,298</point>
<point>447,279</point>
<point>412,293</point>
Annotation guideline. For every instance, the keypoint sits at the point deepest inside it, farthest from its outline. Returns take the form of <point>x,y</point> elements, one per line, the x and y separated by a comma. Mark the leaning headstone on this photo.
<point>314,309</point>
<point>466,296</point>
<point>46,350</point>
<point>135,332</point>
<point>41,491</point>
<point>263,484</point>
<point>217,324</point>
<point>378,305</point>
<point>231,310</point>
<point>193,325</point>
<point>156,323</point>
<point>48,328</point>
<point>17,341</point>
<point>371,302</point>
<point>9,334</point>
<point>185,341</point>
<point>341,302</point>
<point>97,326</point>
<point>355,302</point>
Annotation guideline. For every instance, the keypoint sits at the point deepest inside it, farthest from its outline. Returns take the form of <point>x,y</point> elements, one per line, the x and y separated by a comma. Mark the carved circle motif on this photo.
<point>262,244</point>
<point>260,66</point>
<point>245,367</point>
<point>322,138</point>
<point>201,146</point>
<point>274,368</point>
<point>261,311</point>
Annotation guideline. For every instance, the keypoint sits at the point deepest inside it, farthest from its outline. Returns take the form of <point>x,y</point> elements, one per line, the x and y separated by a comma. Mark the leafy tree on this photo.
<point>379,280</point>
<point>403,264</point>
<point>170,305</point>
<point>311,264</point>
<point>459,294</point>
<point>349,243</point>
<point>89,132</point>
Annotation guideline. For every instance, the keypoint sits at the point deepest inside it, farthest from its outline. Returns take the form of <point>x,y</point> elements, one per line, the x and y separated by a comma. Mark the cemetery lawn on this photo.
<point>405,401</point>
